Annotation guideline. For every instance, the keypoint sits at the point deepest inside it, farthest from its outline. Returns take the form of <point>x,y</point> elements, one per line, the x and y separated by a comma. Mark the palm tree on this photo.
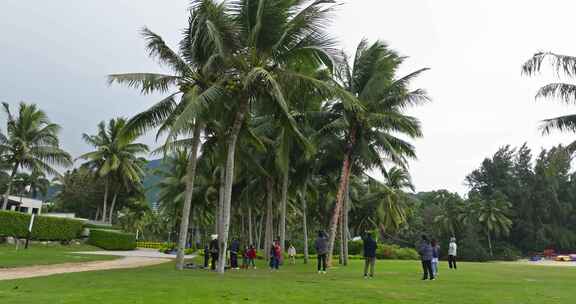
<point>271,37</point>
<point>491,215</point>
<point>566,92</point>
<point>115,158</point>
<point>196,79</point>
<point>372,135</point>
<point>31,143</point>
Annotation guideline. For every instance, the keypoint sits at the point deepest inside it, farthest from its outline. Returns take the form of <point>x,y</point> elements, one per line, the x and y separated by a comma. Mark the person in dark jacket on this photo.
<point>214,251</point>
<point>369,255</point>
<point>234,249</point>
<point>426,254</point>
<point>321,246</point>
<point>206,256</point>
<point>275,253</point>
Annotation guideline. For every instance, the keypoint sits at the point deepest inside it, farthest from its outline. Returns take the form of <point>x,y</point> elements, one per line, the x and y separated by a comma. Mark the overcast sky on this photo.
<point>57,54</point>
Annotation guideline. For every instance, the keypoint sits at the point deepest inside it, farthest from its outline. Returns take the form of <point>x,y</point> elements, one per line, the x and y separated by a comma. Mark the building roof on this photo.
<point>26,201</point>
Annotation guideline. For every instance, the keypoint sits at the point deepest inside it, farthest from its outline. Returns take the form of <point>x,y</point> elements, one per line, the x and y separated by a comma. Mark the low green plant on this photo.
<point>112,239</point>
<point>45,228</point>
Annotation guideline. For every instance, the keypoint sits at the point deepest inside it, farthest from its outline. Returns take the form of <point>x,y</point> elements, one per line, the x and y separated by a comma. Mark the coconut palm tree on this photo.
<point>272,35</point>
<point>371,137</point>
<point>30,143</point>
<point>564,91</point>
<point>116,158</point>
<point>194,83</point>
<point>491,214</point>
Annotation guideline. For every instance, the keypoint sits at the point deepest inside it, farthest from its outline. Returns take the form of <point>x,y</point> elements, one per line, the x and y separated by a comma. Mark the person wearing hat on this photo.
<point>214,251</point>
<point>452,251</point>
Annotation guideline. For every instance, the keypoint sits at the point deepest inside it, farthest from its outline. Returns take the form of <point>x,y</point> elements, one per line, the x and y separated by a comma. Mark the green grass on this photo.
<point>38,254</point>
<point>396,282</point>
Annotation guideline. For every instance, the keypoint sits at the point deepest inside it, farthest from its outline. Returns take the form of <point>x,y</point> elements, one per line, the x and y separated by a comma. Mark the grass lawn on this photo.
<point>396,282</point>
<point>38,254</point>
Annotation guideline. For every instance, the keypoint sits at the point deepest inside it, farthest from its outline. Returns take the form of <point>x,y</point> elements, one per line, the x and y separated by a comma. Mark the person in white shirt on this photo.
<point>292,254</point>
<point>452,252</point>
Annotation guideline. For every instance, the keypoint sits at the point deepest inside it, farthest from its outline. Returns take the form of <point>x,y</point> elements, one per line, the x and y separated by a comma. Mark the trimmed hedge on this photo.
<point>112,239</point>
<point>45,228</point>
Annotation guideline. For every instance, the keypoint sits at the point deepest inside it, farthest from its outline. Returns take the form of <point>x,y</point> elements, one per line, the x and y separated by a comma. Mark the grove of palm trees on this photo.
<point>267,132</point>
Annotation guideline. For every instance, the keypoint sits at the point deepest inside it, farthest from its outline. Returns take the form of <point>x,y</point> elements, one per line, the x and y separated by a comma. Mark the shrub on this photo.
<point>506,252</point>
<point>395,252</point>
<point>355,247</point>
<point>45,228</point>
<point>112,239</point>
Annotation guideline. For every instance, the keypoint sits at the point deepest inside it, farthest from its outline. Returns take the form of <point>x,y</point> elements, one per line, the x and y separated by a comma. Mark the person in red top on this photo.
<point>251,255</point>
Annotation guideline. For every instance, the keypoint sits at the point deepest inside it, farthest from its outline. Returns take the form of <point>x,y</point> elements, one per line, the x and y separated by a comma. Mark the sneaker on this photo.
<point>365,276</point>
<point>319,272</point>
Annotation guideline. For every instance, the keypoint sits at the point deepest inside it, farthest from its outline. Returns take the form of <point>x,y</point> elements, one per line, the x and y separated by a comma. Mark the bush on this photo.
<point>45,228</point>
<point>355,247</point>
<point>395,252</point>
<point>112,239</point>
<point>506,252</point>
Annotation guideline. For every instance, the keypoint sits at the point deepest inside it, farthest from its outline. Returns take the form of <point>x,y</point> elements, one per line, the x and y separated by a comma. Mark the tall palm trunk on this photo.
<point>268,235</point>
<point>305,224</point>
<point>345,210</point>
<point>259,236</point>
<point>219,221</point>
<point>9,187</point>
<point>250,239</point>
<point>489,243</point>
<point>105,203</point>
<point>190,175</point>
<point>283,202</point>
<point>341,237</point>
<point>112,206</point>
<point>344,178</point>
<point>230,162</point>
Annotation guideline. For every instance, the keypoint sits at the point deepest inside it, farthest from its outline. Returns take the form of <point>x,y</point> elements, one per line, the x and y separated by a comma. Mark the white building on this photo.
<point>24,204</point>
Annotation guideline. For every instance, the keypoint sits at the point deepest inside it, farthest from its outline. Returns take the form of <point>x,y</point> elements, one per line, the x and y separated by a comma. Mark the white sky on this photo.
<point>57,54</point>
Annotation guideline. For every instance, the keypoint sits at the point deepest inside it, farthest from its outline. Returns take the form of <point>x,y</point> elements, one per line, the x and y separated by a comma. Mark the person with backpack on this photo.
<point>369,255</point>
<point>214,251</point>
<point>425,252</point>
<point>321,246</point>
<point>275,255</point>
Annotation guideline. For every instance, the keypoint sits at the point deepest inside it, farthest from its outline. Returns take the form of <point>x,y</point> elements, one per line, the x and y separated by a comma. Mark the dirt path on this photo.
<point>46,270</point>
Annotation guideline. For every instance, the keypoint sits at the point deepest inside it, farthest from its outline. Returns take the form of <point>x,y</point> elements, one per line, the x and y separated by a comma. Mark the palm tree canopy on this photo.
<point>31,140</point>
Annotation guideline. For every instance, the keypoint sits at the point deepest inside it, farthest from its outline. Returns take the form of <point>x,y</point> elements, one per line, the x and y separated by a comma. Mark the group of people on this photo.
<point>429,251</point>
<point>212,252</point>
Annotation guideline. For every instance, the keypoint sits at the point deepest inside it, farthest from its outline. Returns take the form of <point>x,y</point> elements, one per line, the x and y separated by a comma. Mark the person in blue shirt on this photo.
<point>369,255</point>
<point>426,255</point>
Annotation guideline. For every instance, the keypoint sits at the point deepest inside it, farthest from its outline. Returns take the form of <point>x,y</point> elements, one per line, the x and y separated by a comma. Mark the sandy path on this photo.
<point>46,270</point>
<point>542,263</point>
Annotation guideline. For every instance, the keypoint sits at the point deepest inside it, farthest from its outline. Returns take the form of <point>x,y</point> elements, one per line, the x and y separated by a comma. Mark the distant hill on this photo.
<point>151,180</point>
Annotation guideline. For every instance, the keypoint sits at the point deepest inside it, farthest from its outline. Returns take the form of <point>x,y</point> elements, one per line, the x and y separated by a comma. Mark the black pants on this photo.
<point>233,260</point>
<point>427,268</point>
<point>322,262</point>
<point>214,261</point>
<point>452,261</point>
<point>206,259</point>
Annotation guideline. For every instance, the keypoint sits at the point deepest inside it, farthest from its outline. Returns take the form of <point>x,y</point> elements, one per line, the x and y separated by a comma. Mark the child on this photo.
<point>245,257</point>
<point>292,254</point>
<point>435,257</point>
<point>252,256</point>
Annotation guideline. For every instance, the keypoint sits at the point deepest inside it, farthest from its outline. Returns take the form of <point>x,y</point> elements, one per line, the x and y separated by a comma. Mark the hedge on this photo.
<point>45,228</point>
<point>112,239</point>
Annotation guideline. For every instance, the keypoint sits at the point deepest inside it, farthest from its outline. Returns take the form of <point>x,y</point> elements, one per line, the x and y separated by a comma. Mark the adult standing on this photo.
<point>275,252</point>
<point>321,246</point>
<point>369,255</point>
<point>234,249</point>
<point>452,252</point>
<point>214,251</point>
<point>425,251</point>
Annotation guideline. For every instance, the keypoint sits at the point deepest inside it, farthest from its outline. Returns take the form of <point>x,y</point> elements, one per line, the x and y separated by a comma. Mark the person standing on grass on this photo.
<point>435,257</point>
<point>214,251</point>
<point>369,255</point>
<point>321,245</point>
<point>425,251</point>
<point>234,249</point>
<point>452,251</point>
<point>275,252</point>
<point>206,256</point>
<point>252,256</point>
<point>292,254</point>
